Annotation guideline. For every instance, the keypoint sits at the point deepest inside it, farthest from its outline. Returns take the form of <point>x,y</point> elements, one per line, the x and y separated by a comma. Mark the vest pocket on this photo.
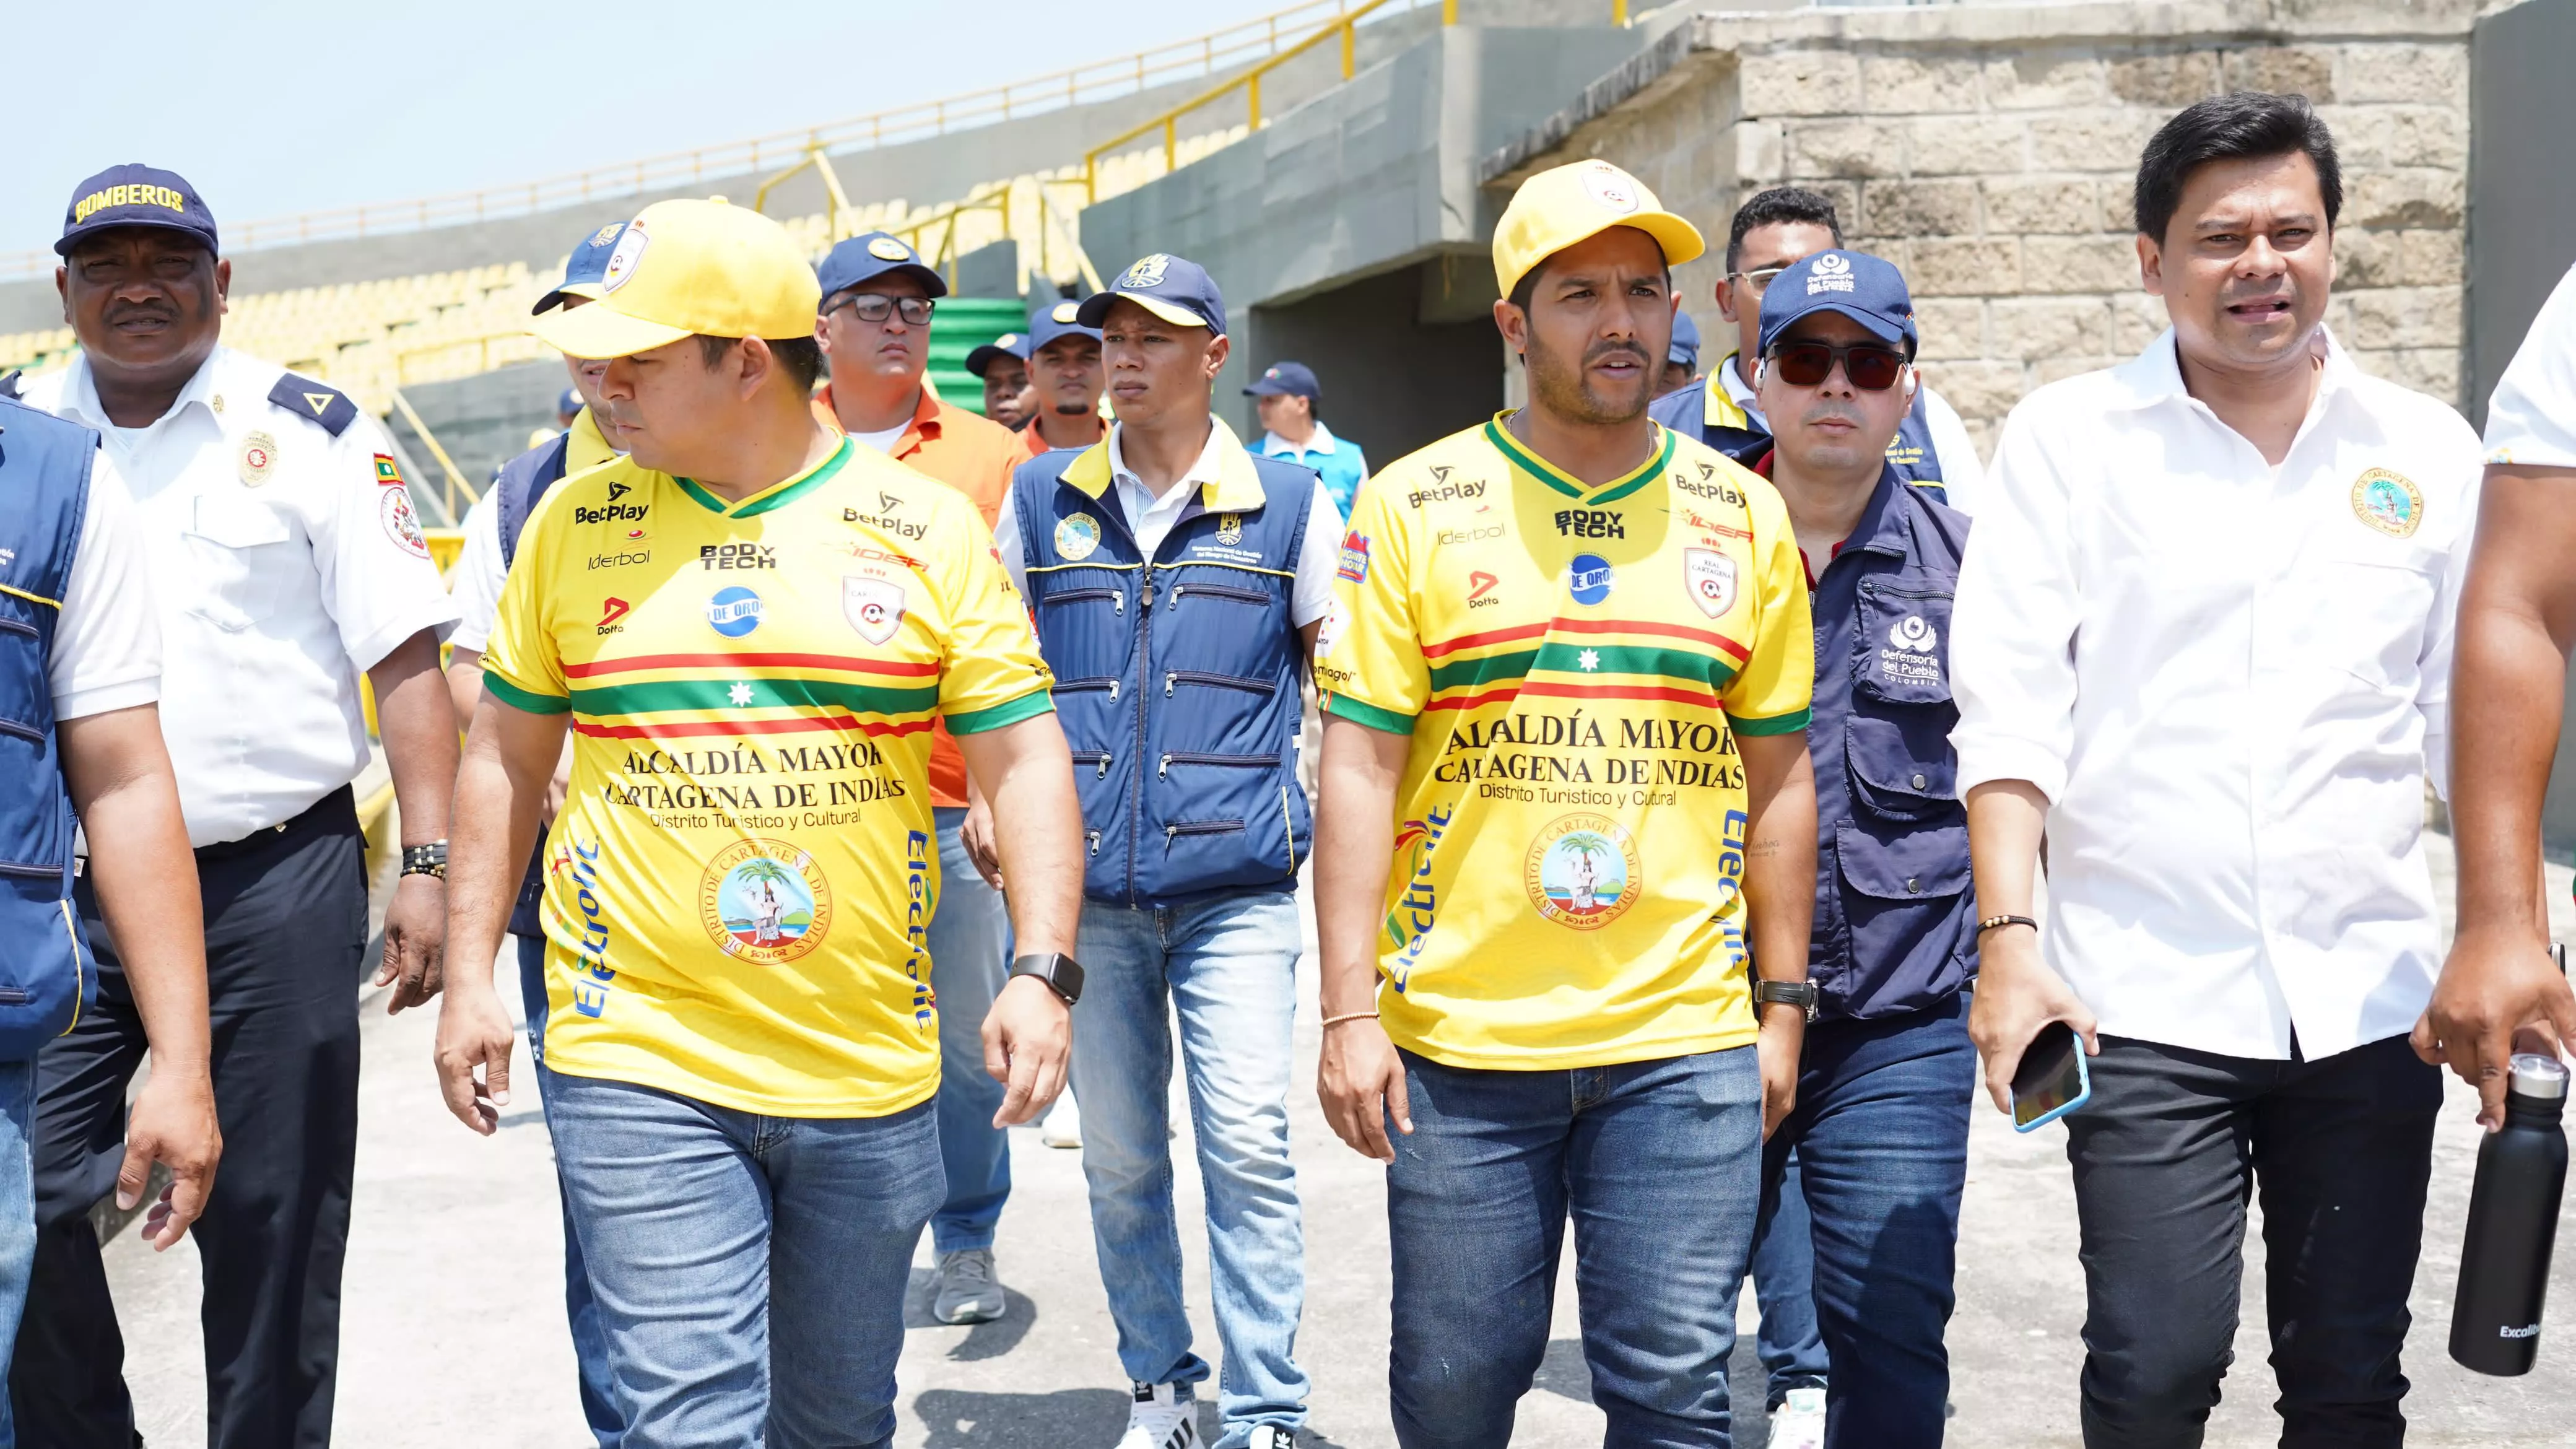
<point>1163,771</point>
<point>1172,677</point>
<point>1181,829</point>
<point>1097,759</point>
<point>1214,591</point>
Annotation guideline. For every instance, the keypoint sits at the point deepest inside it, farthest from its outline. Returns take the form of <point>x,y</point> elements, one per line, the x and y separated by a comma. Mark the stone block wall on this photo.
<point>1991,153</point>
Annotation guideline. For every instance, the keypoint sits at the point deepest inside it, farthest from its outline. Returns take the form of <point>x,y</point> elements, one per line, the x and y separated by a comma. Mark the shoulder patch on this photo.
<point>315,402</point>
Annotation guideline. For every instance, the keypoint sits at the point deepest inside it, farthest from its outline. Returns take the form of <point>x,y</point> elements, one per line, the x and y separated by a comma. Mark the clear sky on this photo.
<point>278,106</point>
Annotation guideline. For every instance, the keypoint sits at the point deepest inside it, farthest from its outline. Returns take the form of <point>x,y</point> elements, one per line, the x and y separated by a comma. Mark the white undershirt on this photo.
<point>885,439</point>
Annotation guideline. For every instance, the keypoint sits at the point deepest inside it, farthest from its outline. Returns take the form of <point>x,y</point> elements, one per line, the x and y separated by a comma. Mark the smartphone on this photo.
<point>2052,1079</point>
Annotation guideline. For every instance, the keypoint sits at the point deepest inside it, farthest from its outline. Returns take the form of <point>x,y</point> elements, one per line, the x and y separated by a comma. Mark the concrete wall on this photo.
<point>1372,178</point>
<point>1393,381</point>
<point>1990,152</point>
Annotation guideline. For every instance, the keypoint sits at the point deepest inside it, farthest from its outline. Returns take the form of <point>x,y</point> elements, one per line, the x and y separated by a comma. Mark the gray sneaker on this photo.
<point>968,1291</point>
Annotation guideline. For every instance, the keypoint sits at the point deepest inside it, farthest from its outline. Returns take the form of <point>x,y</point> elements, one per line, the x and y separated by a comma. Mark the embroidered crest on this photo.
<point>258,459</point>
<point>2388,501</point>
<point>1077,536</point>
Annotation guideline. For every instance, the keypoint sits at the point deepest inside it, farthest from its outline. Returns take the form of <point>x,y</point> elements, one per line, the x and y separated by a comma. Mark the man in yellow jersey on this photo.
<point>742,1041</point>
<point>1566,811</point>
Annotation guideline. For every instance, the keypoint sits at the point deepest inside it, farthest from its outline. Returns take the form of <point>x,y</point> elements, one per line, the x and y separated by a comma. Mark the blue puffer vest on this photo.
<point>1176,676</point>
<point>45,975</point>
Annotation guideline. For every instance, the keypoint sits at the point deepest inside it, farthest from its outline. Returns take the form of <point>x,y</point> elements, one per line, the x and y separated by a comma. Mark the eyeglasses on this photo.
<point>1870,367</point>
<point>870,307</point>
<point>1756,281</point>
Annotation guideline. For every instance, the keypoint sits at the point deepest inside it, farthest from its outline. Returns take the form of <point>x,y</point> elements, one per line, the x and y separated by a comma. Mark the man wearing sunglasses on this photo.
<point>1771,233</point>
<point>874,327</point>
<point>1880,1128</point>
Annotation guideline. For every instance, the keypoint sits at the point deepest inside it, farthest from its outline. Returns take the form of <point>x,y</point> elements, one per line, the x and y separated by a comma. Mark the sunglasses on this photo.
<point>871,307</point>
<point>1871,368</point>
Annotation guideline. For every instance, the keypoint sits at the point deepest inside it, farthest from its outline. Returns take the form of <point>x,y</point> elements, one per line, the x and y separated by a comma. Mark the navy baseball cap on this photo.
<point>1685,348</point>
<point>1867,289</point>
<point>1286,379</point>
<point>1054,320</point>
<point>1175,289</point>
<point>870,255</point>
<point>586,270</point>
<point>135,195</point>
<point>568,404</point>
<point>1009,344</point>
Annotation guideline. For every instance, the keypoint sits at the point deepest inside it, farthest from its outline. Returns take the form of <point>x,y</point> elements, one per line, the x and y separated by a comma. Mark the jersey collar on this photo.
<point>777,495</point>
<point>1722,409</point>
<point>588,447</point>
<point>1236,488</point>
<point>1566,483</point>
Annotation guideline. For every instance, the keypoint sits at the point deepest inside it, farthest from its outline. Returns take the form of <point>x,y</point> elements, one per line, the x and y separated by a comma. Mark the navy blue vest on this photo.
<point>1176,677</point>
<point>45,975</point>
<point>522,481</point>
<point>1704,411</point>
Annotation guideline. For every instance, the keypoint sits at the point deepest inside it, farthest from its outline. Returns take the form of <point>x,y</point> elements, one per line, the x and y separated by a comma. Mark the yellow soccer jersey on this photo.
<point>1573,665</point>
<point>739,888</point>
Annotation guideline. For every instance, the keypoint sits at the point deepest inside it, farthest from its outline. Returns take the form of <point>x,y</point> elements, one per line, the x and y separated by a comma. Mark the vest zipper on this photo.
<point>1070,686</point>
<point>18,626</point>
<point>1098,758</point>
<point>1093,835</point>
<point>1199,827</point>
<point>1177,757</point>
<point>1144,667</point>
<point>1117,598</point>
<point>1221,591</point>
<point>1218,681</point>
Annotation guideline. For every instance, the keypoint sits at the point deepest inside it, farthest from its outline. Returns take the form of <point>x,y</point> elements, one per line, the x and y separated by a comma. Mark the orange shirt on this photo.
<point>1037,444</point>
<point>975,456</point>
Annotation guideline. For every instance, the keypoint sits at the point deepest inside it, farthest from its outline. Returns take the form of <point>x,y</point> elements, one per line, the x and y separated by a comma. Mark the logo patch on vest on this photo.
<point>1077,537</point>
<point>1229,529</point>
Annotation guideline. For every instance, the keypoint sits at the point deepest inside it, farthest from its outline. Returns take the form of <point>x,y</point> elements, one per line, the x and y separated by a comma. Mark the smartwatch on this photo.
<point>429,859</point>
<point>1800,994</point>
<point>1061,973</point>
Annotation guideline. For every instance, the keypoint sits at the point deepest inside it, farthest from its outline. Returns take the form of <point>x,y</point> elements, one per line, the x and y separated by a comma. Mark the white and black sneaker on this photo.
<point>1271,1436</point>
<point>1164,1416</point>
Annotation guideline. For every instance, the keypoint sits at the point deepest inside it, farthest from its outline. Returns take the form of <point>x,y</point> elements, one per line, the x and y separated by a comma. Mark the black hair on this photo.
<point>2227,128</point>
<point>1527,287</point>
<point>1777,206</point>
<point>800,357</point>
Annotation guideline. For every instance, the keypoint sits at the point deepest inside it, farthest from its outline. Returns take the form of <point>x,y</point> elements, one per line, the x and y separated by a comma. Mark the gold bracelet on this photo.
<point>1349,1016</point>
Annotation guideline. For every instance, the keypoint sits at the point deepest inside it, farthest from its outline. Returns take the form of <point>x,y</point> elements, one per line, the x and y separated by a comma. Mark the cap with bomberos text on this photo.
<point>1568,204</point>
<point>135,195</point>
<point>689,268</point>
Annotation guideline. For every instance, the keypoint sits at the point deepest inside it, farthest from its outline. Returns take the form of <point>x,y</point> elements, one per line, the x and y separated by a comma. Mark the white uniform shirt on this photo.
<point>475,582</point>
<point>1963,473</point>
<point>107,644</point>
<point>283,567</point>
<point>1150,519</point>
<point>2532,416</point>
<point>2231,682</point>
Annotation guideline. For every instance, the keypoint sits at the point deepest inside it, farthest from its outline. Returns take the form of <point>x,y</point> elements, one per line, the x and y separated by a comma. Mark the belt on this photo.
<point>335,813</point>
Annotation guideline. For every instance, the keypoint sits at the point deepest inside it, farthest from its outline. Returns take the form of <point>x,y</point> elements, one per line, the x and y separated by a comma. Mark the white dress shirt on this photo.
<point>283,568</point>
<point>107,644</point>
<point>2532,416</point>
<point>1150,519</point>
<point>1963,473</point>
<point>2230,680</point>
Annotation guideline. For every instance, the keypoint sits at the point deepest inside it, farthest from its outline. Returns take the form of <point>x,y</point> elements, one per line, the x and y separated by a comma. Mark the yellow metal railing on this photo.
<point>1203,55</point>
<point>455,482</point>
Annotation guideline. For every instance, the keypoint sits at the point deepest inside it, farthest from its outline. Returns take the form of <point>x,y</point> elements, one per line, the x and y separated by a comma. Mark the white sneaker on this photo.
<point>1164,1416</point>
<point>1270,1436</point>
<point>1063,1125</point>
<point>1799,1422</point>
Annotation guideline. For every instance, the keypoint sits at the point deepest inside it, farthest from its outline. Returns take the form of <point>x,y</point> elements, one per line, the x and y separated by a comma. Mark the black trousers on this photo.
<point>286,924</point>
<point>2166,1156</point>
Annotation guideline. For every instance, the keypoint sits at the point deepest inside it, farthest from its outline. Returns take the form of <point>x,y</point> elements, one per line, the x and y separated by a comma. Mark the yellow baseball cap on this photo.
<point>1567,204</point>
<point>683,268</point>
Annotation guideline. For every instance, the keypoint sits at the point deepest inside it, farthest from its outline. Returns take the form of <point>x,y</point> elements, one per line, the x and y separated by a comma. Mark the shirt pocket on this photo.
<point>1899,650</point>
<point>2378,610</point>
<point>242,552</point>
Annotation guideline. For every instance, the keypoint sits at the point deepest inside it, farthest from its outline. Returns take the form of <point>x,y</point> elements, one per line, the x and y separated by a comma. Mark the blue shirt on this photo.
<point>1335,460</point>
<point>1894,928</point>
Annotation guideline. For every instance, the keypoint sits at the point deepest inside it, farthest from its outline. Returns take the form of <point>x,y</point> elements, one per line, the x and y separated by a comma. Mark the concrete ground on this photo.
<point>453,1329</point>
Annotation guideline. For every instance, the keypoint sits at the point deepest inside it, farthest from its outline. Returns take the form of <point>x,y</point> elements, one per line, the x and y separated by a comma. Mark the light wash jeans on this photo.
<point>17,1215</point>
<point>1658,1164</point>
<point>1230,968</point>
<point>970,946</point>
<point>749,1270</point>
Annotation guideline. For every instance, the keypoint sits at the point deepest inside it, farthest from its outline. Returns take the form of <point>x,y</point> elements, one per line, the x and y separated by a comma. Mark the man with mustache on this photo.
<point>2203,642</point>
<point>287,562</point>
<point>1065,380</point>
<point>874,328</point>
<point>1881,1124</point>
<point>1567,818</point>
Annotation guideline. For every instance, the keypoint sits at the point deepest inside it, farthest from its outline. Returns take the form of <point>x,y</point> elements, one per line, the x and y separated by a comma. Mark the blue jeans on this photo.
<point>1659,1165</point>
<point>750,1270</point>
<point>17,1214</point>
<point>581,1313</point>
<point>1881,1133</point>
<point>1230,967</point>
<point>970,945</point>
<point>1784,1276</point>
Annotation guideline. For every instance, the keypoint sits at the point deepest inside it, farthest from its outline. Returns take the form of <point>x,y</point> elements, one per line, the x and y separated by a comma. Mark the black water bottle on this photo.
<point>2513,1221</point>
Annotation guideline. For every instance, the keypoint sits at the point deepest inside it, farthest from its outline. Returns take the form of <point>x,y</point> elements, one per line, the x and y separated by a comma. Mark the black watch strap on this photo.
<point>1800,994</point>
<point>1061,973</point>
